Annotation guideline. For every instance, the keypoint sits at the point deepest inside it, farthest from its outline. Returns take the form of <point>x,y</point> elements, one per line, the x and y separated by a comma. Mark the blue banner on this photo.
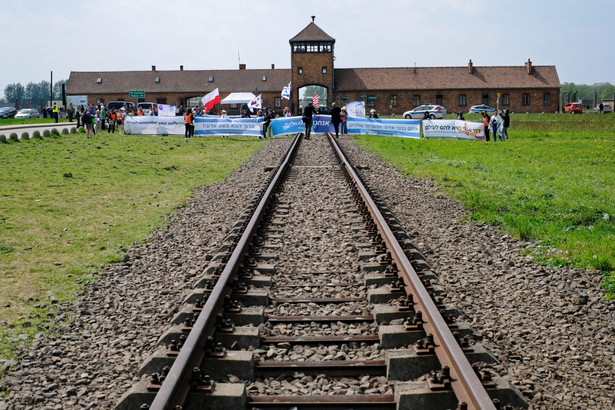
<point>322,124</point>
<point>208,126</point>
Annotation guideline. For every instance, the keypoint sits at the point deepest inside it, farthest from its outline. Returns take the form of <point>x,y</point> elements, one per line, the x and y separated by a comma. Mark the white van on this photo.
<point>148,107</point>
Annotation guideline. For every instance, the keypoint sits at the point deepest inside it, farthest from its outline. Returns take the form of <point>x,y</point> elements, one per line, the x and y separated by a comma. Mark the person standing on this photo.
<point>188,124</point>
<point>486,125</point>
<point>71,112</point>
<point>496,126</point>
<point>308,113</point>
<point>111,121</point>
<point>336,118</point>
<point>56,112</point>
<point>87,119</point>
<point>505,123</point>
<point>344,116</point>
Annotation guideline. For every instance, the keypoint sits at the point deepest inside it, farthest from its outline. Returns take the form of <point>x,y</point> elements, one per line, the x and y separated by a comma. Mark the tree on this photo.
<point>37,93</point>
<point>14,93</point>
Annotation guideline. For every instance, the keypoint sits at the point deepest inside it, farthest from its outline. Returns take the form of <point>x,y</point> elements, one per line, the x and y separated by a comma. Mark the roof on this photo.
<point>197,81</point>
<point>238,98</point>
<point>312,33</point>
<point>445,78</point>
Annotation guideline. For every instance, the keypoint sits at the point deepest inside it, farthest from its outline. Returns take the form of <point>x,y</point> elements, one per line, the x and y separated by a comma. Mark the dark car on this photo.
<point>7,112</point>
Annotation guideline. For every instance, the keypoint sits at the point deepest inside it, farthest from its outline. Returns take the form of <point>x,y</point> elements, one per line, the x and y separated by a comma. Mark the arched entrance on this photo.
<point>307,93</point>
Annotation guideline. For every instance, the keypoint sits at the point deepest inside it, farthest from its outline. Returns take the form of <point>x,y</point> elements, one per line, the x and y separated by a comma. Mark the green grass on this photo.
<point>554,184</point>
<point>69,205</point>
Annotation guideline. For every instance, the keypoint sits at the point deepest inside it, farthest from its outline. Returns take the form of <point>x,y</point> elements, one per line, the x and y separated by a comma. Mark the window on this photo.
<point>393,101</point>
<point>161,100</point>
<point>371,103</point>
<point>462,100</point>
<point>300,70</point>
<point>505,99</point>
<point>157,79</point>
<point>324,70</point>
<point>277,102</point>
<point>416,100</point>
<point>525,99</point>
<point>312,47</point>
<point>233,105</point>
<point>99,80</point>
<point>264,78</point>
<point>486,99</point>
<point>211,79</point>
<point>439,99</point>
<point>546,98</point>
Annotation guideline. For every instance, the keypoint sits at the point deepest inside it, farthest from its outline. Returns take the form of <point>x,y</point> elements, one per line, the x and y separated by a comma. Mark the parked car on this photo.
<point>28,113</point>
<point>605,108</point>
<point>573,108</point>
<point>148,107</point>
<point>7,112</point>
<point>480,108</point>
<point>435,111</point>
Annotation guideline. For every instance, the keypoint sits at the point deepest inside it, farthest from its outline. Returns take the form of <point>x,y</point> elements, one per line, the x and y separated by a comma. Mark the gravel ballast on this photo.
<point>550,327</point>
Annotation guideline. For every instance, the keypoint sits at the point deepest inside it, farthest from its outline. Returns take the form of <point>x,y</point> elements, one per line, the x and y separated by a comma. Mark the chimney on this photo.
<point>242,66</point>
<point>153,68</point>
<point>273,66</point>
<point>528,65</point>
<point>181,68</point>
<point>470,67</point>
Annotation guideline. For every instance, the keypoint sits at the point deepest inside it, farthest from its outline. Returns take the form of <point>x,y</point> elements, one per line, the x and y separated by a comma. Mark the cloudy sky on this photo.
<point>97,35</point>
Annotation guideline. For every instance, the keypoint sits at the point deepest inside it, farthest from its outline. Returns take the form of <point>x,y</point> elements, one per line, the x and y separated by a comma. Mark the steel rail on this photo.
<point>465,383</point>
<point>176,386</point>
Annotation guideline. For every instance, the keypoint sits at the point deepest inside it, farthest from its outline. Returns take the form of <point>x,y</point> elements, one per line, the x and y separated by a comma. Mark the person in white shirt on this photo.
<point>496,125</point>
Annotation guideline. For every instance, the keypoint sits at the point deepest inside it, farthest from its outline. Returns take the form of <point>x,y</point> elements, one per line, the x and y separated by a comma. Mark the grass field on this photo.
<point>70,204</point>
<point>552,181</point>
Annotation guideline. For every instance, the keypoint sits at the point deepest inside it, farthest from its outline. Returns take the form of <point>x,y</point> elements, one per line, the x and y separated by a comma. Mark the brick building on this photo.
<point>523,88</point>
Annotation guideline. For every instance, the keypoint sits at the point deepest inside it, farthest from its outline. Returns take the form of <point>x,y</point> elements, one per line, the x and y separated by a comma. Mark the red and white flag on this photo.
<point>315,100</point>
<point>210,100</point>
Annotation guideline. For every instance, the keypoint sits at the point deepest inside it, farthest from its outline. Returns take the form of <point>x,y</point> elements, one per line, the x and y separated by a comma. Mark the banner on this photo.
<point>355,109</point>
<point>322,124</point>
<point>152,125</point>
<point>454,129</point>
<point>165,110</point>
<point>286,92</point>
<point>208,126</point>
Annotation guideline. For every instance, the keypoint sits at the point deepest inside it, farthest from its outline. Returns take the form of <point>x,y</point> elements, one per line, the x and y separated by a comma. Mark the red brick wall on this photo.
<point>450,99</point>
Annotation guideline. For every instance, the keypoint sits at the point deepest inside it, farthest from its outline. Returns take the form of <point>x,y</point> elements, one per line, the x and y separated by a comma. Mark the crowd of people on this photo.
<point>497,125</point>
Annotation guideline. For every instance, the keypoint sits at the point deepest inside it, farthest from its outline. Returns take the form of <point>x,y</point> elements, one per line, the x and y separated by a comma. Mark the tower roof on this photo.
<point>312,33</point>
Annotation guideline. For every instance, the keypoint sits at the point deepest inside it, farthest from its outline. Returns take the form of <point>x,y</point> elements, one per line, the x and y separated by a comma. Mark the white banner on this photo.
<point>165,110</point>
<point>152,125</point>
<point>355,109</point>
<point>453,129</point>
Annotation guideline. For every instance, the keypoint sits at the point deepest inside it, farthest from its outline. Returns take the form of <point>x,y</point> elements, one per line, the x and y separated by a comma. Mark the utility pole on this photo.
<point>51,90</point>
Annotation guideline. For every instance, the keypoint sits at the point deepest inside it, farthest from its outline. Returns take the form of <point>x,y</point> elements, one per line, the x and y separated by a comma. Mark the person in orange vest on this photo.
<point>111,119</point>
<point>119,119</point>
<point>188,123</point>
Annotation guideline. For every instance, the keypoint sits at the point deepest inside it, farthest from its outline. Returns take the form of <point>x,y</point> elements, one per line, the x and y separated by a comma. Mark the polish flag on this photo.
<point>210,100</point>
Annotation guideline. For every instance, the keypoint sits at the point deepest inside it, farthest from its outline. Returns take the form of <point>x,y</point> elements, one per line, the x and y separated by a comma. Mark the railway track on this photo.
<point>318,299</point>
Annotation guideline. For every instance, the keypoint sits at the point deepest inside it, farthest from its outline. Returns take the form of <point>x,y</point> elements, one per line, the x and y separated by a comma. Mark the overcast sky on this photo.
<point>98,35</point>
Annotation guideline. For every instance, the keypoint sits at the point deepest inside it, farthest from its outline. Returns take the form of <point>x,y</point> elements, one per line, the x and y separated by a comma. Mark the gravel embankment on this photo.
<point>118,319</point>
<point>550,327</point>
